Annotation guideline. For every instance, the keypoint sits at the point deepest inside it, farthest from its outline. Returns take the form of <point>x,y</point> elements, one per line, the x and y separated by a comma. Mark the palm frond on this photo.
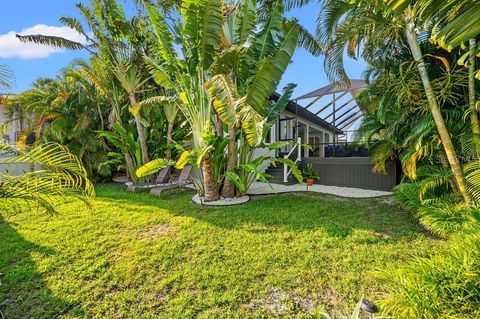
<point>56,174</point>
<point>53,41</point>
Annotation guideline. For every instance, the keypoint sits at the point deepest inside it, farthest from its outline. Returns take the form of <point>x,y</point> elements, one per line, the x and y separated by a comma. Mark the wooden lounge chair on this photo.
<point>182,181</point>
<point>163,178</point>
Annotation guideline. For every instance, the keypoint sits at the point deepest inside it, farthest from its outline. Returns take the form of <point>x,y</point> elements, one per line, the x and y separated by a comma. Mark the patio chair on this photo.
<point>182,181</point>
<point>163,178</point>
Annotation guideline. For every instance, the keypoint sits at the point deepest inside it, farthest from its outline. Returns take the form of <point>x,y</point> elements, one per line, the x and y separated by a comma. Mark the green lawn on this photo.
<point>135,256</point>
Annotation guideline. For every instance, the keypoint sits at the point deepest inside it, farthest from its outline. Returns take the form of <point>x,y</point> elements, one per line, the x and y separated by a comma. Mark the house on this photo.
<point>327,120</point>
<point>298,122</point>
<point>11,122</point>
<point>324,122</point>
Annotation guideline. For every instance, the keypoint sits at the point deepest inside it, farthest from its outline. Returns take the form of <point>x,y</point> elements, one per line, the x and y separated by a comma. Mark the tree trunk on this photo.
<point>471,91</point>
<point>437,115</point>
<point>211,192</point>
<point>228,190</point>
<point>130,168</point>
<point>169,139</point>
<point>140,130</point>
<point>219,127</point>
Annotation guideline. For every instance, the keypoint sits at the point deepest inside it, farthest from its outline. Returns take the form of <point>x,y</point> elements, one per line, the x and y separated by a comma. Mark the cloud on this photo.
<point>11,47</point>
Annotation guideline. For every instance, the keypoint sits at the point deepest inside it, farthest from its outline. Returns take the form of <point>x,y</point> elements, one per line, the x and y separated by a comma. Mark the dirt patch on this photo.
<point>157,231</point>
<point>279,302</point>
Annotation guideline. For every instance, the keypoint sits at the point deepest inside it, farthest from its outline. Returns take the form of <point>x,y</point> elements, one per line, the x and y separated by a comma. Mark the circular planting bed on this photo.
<point>222,202</point>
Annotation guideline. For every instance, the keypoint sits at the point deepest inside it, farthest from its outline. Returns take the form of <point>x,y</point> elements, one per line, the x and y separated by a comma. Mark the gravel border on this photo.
<point>222,202</point>
<point>259,188</point>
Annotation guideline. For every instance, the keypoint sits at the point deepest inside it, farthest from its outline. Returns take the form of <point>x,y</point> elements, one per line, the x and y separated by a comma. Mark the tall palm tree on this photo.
<point>133,82</point>
<point>56,174</point>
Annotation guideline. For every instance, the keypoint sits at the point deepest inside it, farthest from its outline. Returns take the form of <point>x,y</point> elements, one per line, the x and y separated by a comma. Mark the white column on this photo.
<point>306,141</point>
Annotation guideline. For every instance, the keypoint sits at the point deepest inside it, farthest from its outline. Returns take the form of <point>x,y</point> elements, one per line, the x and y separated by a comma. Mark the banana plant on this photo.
<point>126,143</point>
<point>256,50</point>
<point>198,34</point>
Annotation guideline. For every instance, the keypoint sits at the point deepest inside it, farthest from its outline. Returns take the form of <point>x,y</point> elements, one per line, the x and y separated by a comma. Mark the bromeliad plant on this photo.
<point>233,57</point>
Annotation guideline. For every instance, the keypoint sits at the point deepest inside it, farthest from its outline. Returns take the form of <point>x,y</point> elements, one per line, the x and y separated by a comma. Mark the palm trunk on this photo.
<point>169,139</point>
<point>211,192</point>
<point>471,90</point>
<point>130,168</point>
<point>228,190</point>
<point>444,161</point>
<point>140,130</point>
<point>219,127</point>
<point>437,115</point>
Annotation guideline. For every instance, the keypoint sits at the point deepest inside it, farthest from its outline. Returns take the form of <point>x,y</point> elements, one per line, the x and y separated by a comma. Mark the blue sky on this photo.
<point>29,63</point>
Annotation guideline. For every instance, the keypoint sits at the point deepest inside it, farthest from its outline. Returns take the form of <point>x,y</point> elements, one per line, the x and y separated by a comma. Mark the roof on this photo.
<point>296,108</point>
<point>355,86</point>
<point>350,114</point>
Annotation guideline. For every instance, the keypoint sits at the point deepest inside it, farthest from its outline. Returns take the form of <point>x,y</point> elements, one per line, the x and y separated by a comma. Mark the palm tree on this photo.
<point>56,174</point>
<point>436,113</point>
<point>132,81</point>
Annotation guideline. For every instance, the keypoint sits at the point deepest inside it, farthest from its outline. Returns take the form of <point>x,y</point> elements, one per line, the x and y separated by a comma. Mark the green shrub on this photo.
<point>446,285</point>
<point>406,195</point>
<point>441,214</point>
<point>309,172</point>
<point>446,218</point>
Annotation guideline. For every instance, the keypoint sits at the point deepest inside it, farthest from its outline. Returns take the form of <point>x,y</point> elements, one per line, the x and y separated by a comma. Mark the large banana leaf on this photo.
<point>274,109</point>
<point>247,19</point>
<point>225,99</point>
<point>202,28</point>
<point>164,36</point>
<point>270,71</point>
<point>153,166</point>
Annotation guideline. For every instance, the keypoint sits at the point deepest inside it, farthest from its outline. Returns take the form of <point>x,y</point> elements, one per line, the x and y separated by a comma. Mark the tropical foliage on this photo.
<point>103,94</point>
<point>233,57</point>
<point>216,66</point>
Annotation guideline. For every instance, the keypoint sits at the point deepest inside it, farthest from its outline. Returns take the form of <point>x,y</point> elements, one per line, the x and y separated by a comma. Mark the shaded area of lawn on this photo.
<point>136,256</point>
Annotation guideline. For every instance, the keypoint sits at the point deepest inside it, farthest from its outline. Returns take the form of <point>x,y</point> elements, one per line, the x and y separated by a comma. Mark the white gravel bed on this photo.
<point>222,202</point>
<point>259,188</point>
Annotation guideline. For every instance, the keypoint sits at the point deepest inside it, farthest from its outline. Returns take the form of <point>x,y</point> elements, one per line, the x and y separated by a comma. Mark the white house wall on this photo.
<point>8,127</point>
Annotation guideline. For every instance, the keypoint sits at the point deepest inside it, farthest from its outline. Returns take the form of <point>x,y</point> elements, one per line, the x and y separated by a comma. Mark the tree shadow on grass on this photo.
<point>298,212</point>
<point>24,293</point>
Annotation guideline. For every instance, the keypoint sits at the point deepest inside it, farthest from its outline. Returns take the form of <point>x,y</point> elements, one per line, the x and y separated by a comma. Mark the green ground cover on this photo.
<point>136,256</point>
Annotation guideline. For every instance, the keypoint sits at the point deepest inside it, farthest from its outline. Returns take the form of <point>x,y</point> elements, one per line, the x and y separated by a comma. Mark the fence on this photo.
<point>353,172</point>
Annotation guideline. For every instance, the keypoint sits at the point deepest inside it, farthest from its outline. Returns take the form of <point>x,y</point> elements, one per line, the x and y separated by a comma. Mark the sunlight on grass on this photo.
<point>141,257</point>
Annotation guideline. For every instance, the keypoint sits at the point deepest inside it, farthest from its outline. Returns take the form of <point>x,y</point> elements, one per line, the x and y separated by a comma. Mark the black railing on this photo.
<point>339,149</point>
